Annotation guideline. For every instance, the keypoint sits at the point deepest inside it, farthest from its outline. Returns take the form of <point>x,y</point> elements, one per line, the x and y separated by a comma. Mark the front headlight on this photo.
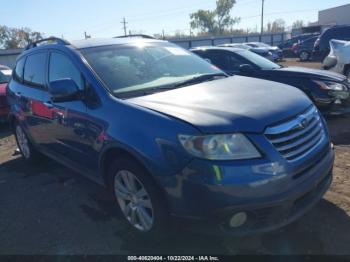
<point>337,90</point>
<point>219,147</point>
<point>331,85</point>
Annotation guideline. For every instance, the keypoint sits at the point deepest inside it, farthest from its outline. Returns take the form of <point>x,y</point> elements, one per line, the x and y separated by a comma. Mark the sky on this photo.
<point>102,18</point>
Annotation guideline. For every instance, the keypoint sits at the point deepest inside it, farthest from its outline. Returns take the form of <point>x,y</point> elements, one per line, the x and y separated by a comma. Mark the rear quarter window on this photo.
<point>19,69</point>
<point>34,69</point>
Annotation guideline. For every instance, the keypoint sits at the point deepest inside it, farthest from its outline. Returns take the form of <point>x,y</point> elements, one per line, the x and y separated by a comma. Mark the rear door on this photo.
<point>29,94</point>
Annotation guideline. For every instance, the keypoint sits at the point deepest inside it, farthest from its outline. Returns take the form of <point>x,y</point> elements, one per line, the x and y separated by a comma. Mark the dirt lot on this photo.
<point>48,209</point>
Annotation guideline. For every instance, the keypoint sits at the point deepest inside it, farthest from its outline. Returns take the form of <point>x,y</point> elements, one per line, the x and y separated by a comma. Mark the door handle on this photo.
<point>18,94</point>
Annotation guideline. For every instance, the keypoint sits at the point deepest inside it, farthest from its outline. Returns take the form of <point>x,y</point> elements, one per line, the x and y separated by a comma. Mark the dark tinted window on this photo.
<point>18,72</point>
<point>62,67</point>
<point>34,69</point>
<point>227,61</point>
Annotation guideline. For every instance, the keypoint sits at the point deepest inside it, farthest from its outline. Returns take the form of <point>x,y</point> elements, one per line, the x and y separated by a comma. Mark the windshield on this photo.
<point>5,75</point>
<point>258,60</point>
<point>144,67</point>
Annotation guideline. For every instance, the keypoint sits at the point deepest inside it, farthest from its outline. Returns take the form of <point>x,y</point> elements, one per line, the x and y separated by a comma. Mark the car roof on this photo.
<point>232,49</point>
<point>95,42</point>
<point>88,43</point>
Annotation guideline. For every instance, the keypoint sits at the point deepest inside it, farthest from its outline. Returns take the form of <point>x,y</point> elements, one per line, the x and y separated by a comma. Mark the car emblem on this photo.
<point>303,122</point>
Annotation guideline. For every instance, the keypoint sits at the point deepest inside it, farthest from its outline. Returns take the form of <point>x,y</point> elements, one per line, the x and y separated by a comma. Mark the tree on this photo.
<point>298,24</point>
<point>215,21</point>
<point>276,26</point>
<point>17,37</point>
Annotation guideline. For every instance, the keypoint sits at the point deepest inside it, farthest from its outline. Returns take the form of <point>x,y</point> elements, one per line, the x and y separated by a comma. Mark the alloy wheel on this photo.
<point>22,141</point>
<point>304,56</point>
<point>134,200</point>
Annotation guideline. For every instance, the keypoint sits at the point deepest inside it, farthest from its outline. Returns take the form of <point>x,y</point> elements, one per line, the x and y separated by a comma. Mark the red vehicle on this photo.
<point>5,75</point>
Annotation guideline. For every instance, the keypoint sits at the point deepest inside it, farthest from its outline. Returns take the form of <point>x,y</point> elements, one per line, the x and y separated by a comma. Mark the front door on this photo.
<point>69,124</point>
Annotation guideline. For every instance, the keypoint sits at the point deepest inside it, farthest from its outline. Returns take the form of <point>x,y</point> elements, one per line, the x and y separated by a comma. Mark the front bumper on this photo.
<point>334,107</point>
<point>269,204</point>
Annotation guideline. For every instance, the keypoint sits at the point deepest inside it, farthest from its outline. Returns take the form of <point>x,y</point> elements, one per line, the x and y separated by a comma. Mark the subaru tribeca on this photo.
<point>170,135</point>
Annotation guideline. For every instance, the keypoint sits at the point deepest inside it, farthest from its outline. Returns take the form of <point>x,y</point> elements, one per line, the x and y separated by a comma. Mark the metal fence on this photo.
<point>271,39</point>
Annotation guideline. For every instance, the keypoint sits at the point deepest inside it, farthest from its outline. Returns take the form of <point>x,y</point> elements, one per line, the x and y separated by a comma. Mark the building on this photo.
<point>326,18</point>
<point>8,57</point>
<point>339,15</point>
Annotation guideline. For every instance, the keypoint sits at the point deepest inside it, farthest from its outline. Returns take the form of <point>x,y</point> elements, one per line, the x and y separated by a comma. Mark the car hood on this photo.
<point>3,89</point>
<point>233,104</point>
<point>308,72</point>
<point>260,50</point>
<point>274,48</point>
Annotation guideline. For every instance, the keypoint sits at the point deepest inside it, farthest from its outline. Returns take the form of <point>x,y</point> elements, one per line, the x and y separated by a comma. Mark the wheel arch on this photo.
<point>115,150</point>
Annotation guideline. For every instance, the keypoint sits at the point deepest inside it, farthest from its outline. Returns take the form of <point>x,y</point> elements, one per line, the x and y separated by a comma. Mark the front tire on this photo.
<point>304,56</point>
<point>138,198</point>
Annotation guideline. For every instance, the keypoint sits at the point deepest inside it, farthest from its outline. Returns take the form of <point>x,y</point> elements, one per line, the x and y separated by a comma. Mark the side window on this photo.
<point>233,62</point>
<point>62,67</point>
<point>225,60</point>
<point>217,58</point>
<point>34,69</point>
<point>18,72</point>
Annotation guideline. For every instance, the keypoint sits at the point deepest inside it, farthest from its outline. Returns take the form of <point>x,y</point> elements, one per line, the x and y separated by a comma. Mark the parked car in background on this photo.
<point>5,75</point>
<point>328,90</point>
<point>322,48</point>
<point>338,59</point>
<point>287,46</point>
<point>304,49</point>
<point>170,135</point>
<point>277,53</point>
<point>263,51</point>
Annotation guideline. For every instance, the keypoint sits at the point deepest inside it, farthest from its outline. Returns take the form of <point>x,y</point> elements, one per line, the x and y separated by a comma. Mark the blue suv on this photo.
<point>170,135</point>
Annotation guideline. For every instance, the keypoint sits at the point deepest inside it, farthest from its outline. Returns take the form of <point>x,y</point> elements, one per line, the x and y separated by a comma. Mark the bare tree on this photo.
<point>298,24</point>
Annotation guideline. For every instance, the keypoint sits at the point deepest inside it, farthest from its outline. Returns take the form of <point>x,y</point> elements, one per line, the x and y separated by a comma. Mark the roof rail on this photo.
<point>56,40</point>
<point>137,35</point>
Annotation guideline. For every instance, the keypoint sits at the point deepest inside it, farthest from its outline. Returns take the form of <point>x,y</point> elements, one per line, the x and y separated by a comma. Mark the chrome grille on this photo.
<point>297,137</point>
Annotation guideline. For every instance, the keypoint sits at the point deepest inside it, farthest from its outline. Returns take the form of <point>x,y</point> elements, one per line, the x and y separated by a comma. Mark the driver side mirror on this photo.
<point>246,69</point>
<point>63,90</point>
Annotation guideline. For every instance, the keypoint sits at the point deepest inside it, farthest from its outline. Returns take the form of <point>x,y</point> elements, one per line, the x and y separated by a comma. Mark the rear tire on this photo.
<point>138,198</point>
<point>304,56</point>
<point>28,152</point>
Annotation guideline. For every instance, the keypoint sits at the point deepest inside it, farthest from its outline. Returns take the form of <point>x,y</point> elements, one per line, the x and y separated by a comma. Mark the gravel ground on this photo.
<point>48,209</point>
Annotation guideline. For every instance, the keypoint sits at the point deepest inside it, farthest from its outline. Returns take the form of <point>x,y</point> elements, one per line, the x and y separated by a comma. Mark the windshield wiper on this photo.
<point>199,79</point>
<point>148,91</point>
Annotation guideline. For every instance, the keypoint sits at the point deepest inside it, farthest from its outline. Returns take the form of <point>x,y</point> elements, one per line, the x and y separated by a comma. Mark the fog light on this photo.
<point>238,219</point>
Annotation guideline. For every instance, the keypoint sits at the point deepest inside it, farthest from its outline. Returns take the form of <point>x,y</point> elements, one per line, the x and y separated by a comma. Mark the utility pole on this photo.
<point>163,34</point>
<point>124,25</point>
<point>262,16</point>
<point>86,35</point>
